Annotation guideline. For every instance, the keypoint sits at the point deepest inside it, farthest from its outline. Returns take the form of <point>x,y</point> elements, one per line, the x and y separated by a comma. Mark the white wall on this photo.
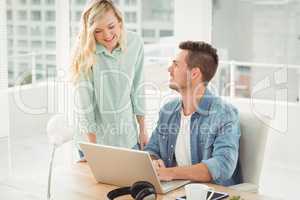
<point>192,20</point>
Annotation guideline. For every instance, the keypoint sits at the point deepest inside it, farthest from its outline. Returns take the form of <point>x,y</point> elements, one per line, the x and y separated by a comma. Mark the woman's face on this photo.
<point>108,30</point>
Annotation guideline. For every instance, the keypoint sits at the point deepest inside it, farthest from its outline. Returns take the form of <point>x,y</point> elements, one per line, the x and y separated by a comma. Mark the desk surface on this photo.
<point>77,182</point>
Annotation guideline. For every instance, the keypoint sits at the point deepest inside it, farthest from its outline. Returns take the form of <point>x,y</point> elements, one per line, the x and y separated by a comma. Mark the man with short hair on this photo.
<point>197,135</point>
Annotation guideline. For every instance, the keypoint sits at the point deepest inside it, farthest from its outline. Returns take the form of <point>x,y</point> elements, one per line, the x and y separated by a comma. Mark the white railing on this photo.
<point>231,65</point>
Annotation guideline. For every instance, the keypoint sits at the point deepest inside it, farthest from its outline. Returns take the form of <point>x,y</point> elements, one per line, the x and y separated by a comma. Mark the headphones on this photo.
<point>141,190</point>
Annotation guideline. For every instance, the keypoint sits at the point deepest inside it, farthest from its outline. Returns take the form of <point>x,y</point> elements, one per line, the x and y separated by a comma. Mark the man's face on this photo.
<point>179,72</point>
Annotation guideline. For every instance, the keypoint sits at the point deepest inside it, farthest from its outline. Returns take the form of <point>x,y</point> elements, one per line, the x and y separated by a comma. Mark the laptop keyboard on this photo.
<point>167,185</point>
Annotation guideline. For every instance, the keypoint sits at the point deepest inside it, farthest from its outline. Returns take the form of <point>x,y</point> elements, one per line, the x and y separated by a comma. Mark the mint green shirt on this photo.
<point>112,95</point>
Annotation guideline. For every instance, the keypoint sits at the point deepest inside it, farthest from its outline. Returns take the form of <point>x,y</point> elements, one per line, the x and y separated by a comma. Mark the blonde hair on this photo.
<point>83,57</point>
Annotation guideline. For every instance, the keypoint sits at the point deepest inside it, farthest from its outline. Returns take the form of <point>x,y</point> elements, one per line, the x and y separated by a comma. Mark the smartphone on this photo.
<point>216,196</point>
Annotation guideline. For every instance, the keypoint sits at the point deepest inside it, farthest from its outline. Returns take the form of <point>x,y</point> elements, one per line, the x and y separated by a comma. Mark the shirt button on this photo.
<point>169,159</point>
<point>172,146</point>
<point>164,137</point>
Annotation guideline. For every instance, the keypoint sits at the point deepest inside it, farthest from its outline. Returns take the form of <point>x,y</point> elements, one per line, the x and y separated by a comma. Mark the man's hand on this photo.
<point>143,138</point>
<point>158,164</point>
<point>164,174</point>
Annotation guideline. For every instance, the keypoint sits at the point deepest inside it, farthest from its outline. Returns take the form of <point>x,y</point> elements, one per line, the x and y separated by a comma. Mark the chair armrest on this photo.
<point>245,187</point>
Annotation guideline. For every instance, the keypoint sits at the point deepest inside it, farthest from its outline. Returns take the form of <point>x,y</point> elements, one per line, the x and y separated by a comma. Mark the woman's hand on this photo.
<point>143,138</point>
<point>92,137</point>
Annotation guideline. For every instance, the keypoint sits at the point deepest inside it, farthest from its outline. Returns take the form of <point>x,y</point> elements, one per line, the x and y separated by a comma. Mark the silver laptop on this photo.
<point>123,167</point>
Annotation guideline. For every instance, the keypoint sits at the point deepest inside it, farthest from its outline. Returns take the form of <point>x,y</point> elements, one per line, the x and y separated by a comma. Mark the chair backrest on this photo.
<point>254,132</point>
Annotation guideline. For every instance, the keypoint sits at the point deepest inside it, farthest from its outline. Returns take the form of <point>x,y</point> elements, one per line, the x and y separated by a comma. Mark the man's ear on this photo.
<point>196,73</point>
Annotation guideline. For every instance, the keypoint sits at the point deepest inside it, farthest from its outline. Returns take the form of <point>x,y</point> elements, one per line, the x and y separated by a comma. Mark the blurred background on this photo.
<point>258,43</point>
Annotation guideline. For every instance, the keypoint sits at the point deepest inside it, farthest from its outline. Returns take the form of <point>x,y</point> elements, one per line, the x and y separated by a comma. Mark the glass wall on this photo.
<point>260,40</point>
<point>31,41</point>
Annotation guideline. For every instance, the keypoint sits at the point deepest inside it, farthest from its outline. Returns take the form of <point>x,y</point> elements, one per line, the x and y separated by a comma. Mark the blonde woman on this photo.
<point>107,68</point>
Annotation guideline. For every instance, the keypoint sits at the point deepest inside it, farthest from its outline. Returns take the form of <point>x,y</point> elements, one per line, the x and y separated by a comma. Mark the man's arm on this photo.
<point>222,163</point>
<point>198,172</point>
<point>153,145</point>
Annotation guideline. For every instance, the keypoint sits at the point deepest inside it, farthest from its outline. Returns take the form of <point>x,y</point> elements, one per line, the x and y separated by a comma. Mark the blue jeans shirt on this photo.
<point>215,134</point>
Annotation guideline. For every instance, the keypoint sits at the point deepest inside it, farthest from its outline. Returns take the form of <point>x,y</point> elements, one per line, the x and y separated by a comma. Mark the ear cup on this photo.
<point>146,194</point>
<point>139,186</point>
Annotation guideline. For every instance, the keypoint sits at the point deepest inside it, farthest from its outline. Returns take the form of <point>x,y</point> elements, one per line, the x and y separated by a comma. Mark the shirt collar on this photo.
<point>101,49</point>
<point>204,104</point>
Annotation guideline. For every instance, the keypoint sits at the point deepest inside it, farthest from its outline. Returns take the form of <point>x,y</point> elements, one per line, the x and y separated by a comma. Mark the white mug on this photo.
<point>197,191</point>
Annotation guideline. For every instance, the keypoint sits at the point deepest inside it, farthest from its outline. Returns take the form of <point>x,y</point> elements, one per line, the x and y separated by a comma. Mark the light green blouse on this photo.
<point>112,95</point>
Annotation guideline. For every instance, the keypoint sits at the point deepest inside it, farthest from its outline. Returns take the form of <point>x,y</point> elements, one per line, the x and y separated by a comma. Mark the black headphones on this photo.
<point>140,190</point>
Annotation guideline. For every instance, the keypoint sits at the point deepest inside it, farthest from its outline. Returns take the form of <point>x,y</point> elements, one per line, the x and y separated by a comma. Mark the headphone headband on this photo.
<point>141,190</point>
<point>118,192</point>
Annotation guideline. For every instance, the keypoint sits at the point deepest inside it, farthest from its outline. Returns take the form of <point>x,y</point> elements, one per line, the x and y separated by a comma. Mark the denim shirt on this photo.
<point>215,134</point>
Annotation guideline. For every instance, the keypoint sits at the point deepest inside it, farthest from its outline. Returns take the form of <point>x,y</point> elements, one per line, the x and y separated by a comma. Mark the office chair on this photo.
<point>58,133</point>
<point>254,134</point>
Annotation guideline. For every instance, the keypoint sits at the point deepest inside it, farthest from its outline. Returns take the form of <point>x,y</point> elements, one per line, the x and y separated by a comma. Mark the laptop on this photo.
<point>123,167</point>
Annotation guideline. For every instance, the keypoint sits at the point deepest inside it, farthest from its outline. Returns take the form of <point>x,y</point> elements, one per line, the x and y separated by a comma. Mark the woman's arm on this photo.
<point>85,107</point>
<point>143,136</point>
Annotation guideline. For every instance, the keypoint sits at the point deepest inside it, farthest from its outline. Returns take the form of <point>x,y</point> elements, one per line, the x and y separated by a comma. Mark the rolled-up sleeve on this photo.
<point>85,104</point>
<point>137,91</point>
<point>225,151</point>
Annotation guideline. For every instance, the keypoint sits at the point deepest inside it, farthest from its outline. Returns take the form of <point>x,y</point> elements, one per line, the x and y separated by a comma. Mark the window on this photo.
<point>50,16</point>
<point>22,2</point>
<point>22,43</point>
<point>50,31</point>
<point>39,67</point>
<point>132,29</point>
<point>35,30</point>
<point>10,73</point>
<point>10,30</point>
<point>22,30</point>
<point>50,57</point>
<point>10,43</point>
<point>130,2</point>
<point>50,45</point>
<point>36,44</point>
<point>9,15</point>
<point>36,2</point>
<point>148,33</point>
<point>36,15</point>
<point>22,52</point>
<point>130,17</point>
<point>22,15</point>
<point>10,52</point>
<point>117,2</point>
<point>81,2</point>
<point>165,33</point>
<point>50,2</point>
<point>51,70</point>
<point>23,66</point>
<point>78,16</point>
